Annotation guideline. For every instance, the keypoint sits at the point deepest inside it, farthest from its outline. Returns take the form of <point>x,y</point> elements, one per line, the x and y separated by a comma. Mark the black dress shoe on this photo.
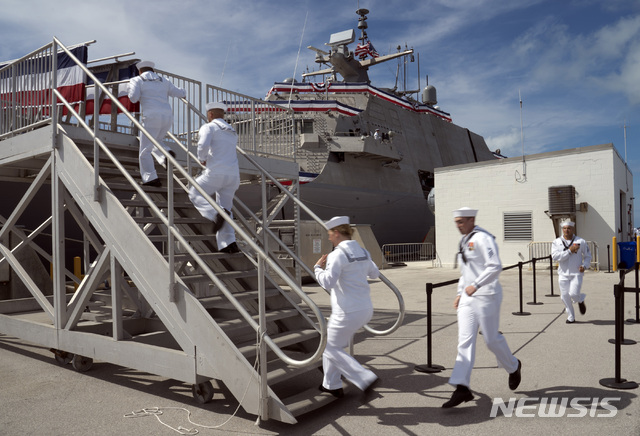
<point>570,322</point>
<point>515,377</point>
<point>462,394</point>
<point>155,182</point>
<point>582,307</point>
<point>219,221</point>
<point>231,248</point>
<point>338,393</point>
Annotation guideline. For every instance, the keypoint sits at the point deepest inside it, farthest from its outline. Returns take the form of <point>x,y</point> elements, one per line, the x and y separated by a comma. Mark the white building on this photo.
<point>516,204</point>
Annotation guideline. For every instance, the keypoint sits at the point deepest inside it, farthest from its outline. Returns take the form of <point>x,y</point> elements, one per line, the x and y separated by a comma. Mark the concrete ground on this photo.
<point>561,362</point>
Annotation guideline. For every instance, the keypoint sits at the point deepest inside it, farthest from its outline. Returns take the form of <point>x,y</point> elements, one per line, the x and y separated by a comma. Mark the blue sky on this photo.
<point>575,63</point>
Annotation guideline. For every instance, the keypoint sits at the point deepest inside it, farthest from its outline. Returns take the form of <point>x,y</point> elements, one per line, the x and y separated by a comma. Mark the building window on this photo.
<point>518,226</point>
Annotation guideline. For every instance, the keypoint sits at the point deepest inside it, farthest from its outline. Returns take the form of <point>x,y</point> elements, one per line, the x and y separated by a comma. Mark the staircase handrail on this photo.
<point>394,289</point>
<point>274,266</point>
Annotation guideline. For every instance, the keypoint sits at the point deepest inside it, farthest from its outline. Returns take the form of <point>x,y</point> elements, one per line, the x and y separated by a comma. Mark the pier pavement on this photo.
<point>560,362</point>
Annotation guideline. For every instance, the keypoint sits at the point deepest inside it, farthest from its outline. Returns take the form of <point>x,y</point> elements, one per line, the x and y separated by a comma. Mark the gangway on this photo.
<point>156,295</point>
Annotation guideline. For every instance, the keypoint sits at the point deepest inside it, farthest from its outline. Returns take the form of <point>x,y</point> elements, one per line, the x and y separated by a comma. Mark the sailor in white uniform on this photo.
<point>573,256</point>
<point>153,91</point>
<point>478,306</point>
<point>217,151</point>
<point>344,271</point>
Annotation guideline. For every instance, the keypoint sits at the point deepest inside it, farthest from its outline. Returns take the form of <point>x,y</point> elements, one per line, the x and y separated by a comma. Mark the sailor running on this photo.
<point>573,256</point>
<point>478,306</point>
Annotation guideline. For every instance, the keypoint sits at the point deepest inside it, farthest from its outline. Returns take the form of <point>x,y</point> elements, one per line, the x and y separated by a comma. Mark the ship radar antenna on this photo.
<point>523,178</point>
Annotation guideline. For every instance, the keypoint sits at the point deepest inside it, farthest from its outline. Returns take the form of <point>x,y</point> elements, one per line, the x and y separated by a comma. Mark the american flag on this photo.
<point>364,50</point>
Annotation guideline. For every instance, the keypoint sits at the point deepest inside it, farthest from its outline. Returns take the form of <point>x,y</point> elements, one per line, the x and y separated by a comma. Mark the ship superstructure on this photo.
<point>369,151</point>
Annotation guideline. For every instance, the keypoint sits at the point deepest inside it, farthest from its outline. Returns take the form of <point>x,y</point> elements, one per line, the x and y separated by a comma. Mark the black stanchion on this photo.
<point>620,313</point>
<point>618,382</point>
<point>520,313</point>
<point>534,302</point>
<point>609,259</point>
<point>637,320</point>
<point>429,367</point>
<point>551,276</point>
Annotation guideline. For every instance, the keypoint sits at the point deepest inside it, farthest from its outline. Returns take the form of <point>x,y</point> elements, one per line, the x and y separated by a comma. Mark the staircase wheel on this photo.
<point>203,392</point>
<point>81,363</point>
<point>62,357</point>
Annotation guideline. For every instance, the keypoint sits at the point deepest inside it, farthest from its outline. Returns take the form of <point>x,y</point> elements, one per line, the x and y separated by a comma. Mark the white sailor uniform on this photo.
<point>217,147</point>
<point>346,272</point>
<point>152,91</point>
<point>479,266</point>
<point>569,275</point>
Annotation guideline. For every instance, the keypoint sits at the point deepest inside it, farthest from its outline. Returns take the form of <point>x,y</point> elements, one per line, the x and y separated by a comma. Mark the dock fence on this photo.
<point>409,252</point>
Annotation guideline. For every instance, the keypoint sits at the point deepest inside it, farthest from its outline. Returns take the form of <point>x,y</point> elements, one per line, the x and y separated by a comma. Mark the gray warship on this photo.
<point>367,151</point>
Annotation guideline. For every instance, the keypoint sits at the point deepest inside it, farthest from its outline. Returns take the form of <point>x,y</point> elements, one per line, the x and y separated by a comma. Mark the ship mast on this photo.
<point>362,24</point>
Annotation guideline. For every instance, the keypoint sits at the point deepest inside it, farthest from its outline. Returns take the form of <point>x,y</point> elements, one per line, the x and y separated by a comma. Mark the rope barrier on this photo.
<point>430,367</point>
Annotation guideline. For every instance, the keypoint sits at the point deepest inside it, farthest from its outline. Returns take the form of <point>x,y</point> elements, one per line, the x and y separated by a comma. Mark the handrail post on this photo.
<point>535,301</point>
<point>429,367</point>
<point>618,382</point>
<point>520,313</point>
<point>54,96</point>
<point>96,146</point>
<point>620,313</point>
<point>637,292</point>
<point>551,277</point>
<point>170,226</point>
<point>262,347</point>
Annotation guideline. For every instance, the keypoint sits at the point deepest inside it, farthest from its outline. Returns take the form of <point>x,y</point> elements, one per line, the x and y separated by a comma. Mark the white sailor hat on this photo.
<point>216,105</point>
<point>336,221</point>
<point>145,64</point>
<point>566,223</point>
<point>465,212</point>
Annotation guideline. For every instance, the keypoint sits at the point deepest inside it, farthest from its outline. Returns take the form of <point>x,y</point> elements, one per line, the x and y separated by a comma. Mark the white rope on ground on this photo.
<point>157,411</point>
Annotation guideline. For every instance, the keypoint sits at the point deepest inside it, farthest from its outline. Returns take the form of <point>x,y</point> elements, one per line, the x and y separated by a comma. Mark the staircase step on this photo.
<point>271,316</point>
<point>127,187</point>
<point>310,400</point>
<point>282,340</point>
<point>176,220</point>
<point>161,204</point>
<point>280,371</point>
<point>192,238</point>
<point>225,275</point>
<point>180,257</point>
<point>210,302</point>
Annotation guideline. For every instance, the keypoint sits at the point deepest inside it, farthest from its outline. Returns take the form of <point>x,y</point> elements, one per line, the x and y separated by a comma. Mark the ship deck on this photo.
<point>559,360</point>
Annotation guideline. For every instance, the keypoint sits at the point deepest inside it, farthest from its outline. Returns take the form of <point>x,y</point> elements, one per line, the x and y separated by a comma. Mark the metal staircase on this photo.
<point>156,295</point>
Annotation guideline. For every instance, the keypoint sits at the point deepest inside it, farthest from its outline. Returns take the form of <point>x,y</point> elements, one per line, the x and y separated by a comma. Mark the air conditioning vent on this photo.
<point>562,200</point>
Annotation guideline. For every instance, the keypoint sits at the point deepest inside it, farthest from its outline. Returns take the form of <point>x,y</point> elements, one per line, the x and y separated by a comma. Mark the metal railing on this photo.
<point>409,252</point>
<point>264,129</point>
<point>25,90</point>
